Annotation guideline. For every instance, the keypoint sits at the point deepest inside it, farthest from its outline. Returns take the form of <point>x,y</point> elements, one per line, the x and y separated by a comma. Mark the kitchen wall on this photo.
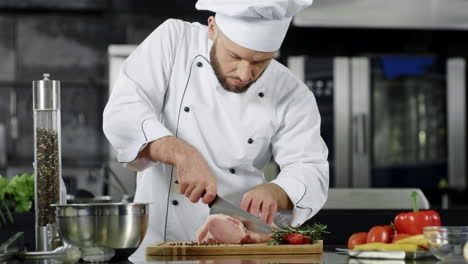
<point>69,40</point>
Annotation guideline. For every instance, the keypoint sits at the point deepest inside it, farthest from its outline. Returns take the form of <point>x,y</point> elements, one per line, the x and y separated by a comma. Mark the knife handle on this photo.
<point>212,202</point>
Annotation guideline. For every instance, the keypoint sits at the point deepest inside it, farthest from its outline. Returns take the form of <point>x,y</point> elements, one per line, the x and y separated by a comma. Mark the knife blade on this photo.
<point>251,222</point>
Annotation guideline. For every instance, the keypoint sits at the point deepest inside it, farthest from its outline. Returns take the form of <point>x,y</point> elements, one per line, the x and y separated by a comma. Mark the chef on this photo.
<point>200,110</point>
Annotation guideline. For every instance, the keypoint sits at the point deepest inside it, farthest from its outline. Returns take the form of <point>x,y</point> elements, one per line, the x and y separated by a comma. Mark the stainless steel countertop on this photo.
<point>326,258</point>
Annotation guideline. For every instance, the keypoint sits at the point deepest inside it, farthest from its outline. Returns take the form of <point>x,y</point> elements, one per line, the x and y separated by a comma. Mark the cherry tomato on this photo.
<point>306,240</point>
<point>357,239</point>
<point>285,236</point>
<point>295,238</point>
<point>381,234</point>
<point>391,231</point>
<point>400,236</point>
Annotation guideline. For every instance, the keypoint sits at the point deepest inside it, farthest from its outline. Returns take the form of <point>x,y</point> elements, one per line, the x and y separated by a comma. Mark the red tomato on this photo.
<point>306,240</point>
<point>381,234</point>
<point>285,235</point>
<point>357,239</point>
<point>391,231</point>
<point>400,236</point>
<point>295,238</point>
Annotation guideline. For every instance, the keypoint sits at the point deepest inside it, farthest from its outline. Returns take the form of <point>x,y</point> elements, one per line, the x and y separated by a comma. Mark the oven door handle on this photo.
<point>359,134</point>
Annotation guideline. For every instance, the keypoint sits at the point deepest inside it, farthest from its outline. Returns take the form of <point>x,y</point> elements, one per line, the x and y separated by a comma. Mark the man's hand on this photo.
<point>264,200</point>
<point>193,174</point>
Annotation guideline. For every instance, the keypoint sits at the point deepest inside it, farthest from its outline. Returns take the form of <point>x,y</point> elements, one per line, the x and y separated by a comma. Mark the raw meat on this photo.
<point>220,228</point>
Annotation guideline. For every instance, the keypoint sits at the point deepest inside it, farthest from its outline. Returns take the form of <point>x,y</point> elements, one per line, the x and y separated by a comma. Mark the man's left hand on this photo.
<point>264,200</point>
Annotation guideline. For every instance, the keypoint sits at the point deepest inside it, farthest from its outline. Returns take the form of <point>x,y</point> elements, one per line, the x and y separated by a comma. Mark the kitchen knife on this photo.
<point>251,222</point>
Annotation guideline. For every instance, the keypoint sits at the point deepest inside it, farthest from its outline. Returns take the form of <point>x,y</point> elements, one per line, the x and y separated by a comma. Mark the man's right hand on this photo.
<point>193,174</point>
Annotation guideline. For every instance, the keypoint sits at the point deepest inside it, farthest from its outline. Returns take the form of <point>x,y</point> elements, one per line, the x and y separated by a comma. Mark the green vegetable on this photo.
<point>282,232</point>
<point>17,193</point>
<point>21,188</point>
<point>3,185</point>
<point>4,182</point>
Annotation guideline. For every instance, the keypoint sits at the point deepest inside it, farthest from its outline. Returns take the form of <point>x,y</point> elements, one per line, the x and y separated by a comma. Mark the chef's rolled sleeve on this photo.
<point>302,155</point>
<point>307,196</point>
<point>130,123</point>
<point>152,130</point>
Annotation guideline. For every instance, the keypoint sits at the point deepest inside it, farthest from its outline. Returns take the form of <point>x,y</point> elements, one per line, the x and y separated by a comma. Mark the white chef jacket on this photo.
<point>167,87</point>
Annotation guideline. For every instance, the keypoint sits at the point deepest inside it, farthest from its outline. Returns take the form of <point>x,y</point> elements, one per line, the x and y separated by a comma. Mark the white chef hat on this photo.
<point>254,24</point>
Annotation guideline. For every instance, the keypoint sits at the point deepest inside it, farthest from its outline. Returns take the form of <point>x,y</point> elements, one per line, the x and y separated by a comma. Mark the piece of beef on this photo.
<point>220,228</point>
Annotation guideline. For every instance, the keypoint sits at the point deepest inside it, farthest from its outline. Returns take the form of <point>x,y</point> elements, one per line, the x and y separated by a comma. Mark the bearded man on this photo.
<point>200,110</point>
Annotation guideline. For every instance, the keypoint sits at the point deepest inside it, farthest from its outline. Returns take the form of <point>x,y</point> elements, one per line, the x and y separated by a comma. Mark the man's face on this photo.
<point>237,67</point>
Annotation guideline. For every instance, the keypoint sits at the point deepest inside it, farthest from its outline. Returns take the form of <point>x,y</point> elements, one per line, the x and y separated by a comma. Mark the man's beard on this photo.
<point>222,80</point>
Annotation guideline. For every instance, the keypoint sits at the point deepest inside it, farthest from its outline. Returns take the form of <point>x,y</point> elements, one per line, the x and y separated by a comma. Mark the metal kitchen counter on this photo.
<point>326,258</point>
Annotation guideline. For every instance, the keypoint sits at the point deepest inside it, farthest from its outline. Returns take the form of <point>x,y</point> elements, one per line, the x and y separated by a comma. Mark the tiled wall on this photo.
<point>7,51</point>
<point>72,47</point>
<point>69,40</point>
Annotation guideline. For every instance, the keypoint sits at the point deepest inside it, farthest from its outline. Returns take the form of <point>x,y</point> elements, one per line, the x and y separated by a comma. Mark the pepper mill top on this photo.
<point>46,94</point>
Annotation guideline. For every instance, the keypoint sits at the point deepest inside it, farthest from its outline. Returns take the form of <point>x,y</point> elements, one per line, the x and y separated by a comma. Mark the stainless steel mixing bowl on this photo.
<point>108,225</point>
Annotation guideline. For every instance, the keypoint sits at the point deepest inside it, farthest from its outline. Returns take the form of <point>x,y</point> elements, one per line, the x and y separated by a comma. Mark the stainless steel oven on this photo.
<point>391,121</point>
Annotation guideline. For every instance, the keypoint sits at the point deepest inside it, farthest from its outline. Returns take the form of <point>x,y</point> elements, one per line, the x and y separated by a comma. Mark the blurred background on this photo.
<point>389,78</point>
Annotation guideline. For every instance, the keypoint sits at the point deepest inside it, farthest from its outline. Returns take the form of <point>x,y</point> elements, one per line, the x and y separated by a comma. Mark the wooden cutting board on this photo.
<point>251,259</point>
<point>188,248</point>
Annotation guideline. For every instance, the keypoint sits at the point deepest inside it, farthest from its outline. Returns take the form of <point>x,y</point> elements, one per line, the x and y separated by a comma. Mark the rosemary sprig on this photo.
<point>315,232</point>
